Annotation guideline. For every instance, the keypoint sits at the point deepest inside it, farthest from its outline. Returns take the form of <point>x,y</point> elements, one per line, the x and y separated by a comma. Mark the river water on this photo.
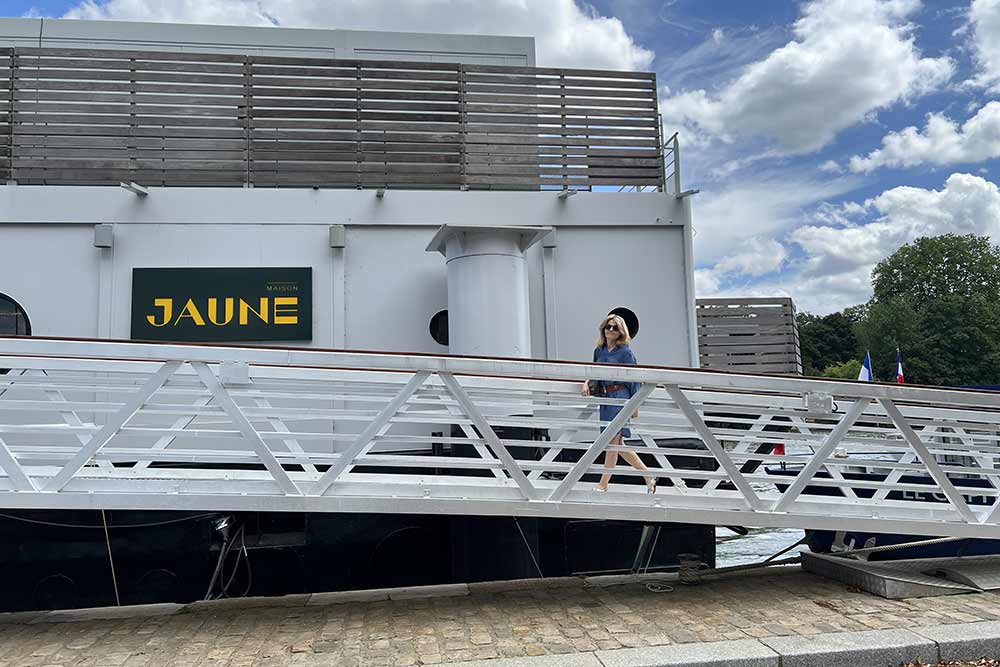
<point>733,549</point>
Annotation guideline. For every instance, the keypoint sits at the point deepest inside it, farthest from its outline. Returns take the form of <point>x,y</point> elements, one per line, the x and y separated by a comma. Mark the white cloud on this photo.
<point>839,248</point>
<point>839,257</point>
<point>726,217</point>
<point>756,257</point>
<point>849,58</point>
<point>984,16</point>
<point>941,142</point>
<point>566,34</point>
<point>831,167</point>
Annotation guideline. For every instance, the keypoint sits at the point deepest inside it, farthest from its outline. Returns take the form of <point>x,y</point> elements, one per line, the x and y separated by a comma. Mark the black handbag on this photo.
<point>594,387</point>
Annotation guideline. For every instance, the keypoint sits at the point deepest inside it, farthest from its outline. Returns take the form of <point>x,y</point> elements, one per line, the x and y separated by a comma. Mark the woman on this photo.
<point>612,348</point>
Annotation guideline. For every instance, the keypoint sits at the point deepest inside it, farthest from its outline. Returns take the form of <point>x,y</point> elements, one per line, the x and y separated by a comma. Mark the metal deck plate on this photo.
<point>917,577</point>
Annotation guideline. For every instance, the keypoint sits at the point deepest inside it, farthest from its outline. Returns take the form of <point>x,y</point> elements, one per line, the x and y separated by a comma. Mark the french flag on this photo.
<point>899,367</point>
<point>866,369</point>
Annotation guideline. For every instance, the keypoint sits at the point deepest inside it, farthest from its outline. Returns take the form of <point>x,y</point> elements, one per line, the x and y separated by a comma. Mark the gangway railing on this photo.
<point>97,424</point>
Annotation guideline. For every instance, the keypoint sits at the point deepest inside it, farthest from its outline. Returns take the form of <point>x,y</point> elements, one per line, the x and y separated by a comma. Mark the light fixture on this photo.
<point>380,193</point>
<point>135,188</point>
<point>567,193</point>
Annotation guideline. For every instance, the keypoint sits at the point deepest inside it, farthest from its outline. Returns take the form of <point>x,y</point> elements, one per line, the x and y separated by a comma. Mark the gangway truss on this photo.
<point>93,424</point>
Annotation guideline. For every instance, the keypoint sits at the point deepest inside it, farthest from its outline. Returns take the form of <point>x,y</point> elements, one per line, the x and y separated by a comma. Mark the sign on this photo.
<point>209,305</point>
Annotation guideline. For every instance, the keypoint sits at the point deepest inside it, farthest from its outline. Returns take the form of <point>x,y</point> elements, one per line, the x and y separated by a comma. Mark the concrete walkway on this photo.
<point>784,617</point>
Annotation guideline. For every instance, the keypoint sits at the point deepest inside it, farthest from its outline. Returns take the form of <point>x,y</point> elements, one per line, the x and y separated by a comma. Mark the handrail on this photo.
<point>113,424</point>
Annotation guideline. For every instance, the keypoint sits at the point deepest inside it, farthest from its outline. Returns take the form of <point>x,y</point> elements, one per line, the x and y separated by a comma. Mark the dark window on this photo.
<point>13,319</point>
<point>631,319</point>
<point>439,327</point>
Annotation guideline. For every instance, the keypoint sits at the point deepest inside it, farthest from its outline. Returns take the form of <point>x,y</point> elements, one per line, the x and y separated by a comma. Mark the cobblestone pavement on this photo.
<point>494,620</point>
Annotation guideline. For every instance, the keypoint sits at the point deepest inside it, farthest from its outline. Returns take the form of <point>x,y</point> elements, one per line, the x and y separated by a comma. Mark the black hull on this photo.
<point>47,563</point>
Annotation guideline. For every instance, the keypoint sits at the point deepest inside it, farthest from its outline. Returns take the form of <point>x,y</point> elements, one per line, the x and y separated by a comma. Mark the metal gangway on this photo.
<point>91,424</point>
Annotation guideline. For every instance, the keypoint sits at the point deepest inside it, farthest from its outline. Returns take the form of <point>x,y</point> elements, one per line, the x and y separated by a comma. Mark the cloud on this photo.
<point>756,257</point>
<point>941,142</point>
<point>848,59</point>
<point>839,256</point>
<point>566,34</point>
<point>762,208</point>
<point>828,262</point>
<point>984,17</point>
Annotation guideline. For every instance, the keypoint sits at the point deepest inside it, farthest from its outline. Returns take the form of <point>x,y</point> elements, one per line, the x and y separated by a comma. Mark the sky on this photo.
<point>822,134</point>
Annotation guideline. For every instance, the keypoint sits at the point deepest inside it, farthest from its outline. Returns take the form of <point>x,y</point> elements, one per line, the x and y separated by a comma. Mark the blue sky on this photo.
<point>823,134</point>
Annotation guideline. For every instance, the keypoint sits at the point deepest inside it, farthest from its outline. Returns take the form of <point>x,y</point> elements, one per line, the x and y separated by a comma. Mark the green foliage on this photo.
<point>938,301</point>
<point>828,340</point>
<point>847,370</point>
<point>951,340</point>
<point>936,267</point>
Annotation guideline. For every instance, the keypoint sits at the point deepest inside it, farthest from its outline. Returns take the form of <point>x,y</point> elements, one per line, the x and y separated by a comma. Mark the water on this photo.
<point>758,544</point>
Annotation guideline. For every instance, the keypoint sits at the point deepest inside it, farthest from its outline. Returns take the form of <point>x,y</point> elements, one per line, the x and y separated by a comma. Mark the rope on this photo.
<point>111,559</point>
<point>690,570</point>
<point>528,547</point>
<point>55,524</point>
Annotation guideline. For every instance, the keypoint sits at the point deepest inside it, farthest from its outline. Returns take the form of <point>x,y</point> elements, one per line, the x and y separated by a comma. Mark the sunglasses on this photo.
<point>611,327</point>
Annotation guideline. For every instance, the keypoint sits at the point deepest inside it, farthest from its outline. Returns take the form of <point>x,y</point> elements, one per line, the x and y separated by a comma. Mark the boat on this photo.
<point>338,190</point>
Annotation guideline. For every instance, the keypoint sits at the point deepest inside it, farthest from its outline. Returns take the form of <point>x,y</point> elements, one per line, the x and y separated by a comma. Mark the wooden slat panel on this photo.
<point>95,116</point>
<point>592,113</point>
<point>141,77</point>
<point>570,94</point>
<point>118,131</point>
<point>743,301</point>
<point>27,84</point>
<point>643,84</point>
<point>556,141</point>
<point>749,335</point>
<point>569,102</point>
<point>593,73</point>
<point>727,350</point>
<point>84,64</point>
<point>165,56</point>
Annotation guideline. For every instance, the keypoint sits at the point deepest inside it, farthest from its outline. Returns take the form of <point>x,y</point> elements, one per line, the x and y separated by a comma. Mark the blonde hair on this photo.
<point>623,339</point>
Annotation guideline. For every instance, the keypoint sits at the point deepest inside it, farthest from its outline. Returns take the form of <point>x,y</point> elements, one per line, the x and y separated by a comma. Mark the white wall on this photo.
<point>640,268</point>
<point>392,286</point>
<point>52,272</point>
<point>298,42</point>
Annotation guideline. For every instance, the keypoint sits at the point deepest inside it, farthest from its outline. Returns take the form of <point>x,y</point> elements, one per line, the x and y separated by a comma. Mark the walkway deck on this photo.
<point>119,425</point>
<point>485,621</point>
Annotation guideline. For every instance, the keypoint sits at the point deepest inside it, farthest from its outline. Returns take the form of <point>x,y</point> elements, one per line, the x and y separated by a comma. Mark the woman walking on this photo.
<point>612,348</point>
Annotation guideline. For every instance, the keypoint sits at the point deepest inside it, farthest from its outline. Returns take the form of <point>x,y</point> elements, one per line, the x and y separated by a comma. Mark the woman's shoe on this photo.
<point>651,486</point>
<point>600,489</point>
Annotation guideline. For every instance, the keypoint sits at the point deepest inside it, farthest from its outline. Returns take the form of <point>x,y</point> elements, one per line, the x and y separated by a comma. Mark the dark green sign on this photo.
<point>208,305</point>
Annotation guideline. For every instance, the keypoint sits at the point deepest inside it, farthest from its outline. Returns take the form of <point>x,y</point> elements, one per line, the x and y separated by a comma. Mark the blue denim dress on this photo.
<point>620,355</point>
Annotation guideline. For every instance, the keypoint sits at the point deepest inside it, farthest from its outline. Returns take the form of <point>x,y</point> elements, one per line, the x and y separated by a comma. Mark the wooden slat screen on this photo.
<point>72,116</point>
<point>755,335</point>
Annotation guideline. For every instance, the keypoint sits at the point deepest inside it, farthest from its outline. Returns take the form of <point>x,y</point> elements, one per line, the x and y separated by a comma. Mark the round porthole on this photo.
<point>13,319</point>
<point>439,327</point>
<point>631,319</point>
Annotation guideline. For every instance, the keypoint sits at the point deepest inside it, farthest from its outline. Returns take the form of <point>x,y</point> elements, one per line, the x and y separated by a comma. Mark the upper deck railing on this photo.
<point>99,117</point>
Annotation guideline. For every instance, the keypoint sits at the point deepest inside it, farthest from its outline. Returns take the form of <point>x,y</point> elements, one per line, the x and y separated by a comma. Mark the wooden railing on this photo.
<point>94,117</point>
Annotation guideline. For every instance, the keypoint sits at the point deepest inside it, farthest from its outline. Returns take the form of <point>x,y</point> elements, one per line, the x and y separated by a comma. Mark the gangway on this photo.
<point>96,424</point>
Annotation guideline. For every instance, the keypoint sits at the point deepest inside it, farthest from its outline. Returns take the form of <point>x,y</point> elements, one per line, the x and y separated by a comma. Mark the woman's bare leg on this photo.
<point>610,461</point>
<point>636,462</point>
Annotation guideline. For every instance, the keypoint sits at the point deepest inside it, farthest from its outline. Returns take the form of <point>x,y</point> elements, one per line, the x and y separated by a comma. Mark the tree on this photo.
<point>938,301</point>
<point>827,340</point>
<point>935,267</point>
<point>847,370</point>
